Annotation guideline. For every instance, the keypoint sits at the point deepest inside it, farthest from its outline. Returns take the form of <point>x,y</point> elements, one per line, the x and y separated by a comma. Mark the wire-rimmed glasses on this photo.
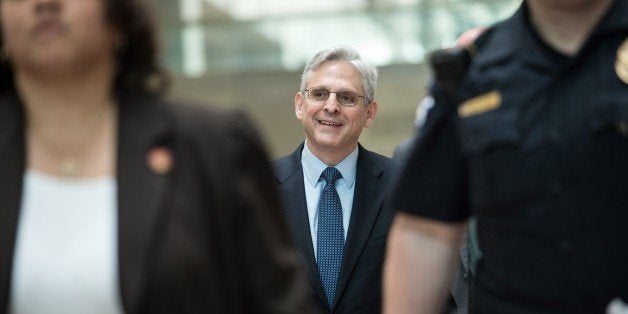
<point>346,97</point>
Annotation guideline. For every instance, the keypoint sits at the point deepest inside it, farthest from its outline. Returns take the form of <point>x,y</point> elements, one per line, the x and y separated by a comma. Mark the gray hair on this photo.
<point>348,54</point>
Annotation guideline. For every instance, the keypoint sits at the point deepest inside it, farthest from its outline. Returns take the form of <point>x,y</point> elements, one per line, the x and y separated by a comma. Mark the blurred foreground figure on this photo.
<point>532,140</point>
<point>114,201</point>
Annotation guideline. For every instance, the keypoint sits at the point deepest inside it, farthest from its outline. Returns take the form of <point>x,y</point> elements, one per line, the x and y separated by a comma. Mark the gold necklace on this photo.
<point>70,165</point>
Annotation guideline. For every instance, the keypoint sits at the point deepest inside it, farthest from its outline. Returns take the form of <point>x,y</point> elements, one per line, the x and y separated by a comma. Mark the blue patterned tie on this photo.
<point>330,240</point>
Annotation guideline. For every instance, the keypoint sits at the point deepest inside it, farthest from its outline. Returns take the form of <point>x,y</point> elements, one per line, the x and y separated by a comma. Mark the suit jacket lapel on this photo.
<point>142,127</point>
<point>367,202</point>
<point>12,165</point>
<point>290,178</point>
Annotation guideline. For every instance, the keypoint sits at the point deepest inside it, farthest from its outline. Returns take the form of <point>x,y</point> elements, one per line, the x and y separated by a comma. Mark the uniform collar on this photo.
<point>498,45</point>
<point>616,19</point>
<point>508,38</point>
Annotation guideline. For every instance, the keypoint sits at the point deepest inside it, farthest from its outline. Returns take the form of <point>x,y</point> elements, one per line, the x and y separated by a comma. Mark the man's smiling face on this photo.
<point>330,126</point>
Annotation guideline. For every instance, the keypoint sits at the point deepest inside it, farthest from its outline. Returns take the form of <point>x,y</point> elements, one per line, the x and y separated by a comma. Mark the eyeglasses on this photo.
<point>346,98</point>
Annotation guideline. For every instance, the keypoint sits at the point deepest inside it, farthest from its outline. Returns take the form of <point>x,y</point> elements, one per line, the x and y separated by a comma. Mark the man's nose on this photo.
<point>331,103</point>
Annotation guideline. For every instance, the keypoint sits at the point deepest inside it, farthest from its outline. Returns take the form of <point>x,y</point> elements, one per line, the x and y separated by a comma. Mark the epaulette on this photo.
<point>450,65</point>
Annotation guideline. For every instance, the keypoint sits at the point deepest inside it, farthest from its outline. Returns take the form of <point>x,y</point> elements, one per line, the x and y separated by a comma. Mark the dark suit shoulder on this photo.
<point>198,122</point>
<point>207,128</point>
<point>197,117</point>
<point>285,167</point>
<point>377,163</point>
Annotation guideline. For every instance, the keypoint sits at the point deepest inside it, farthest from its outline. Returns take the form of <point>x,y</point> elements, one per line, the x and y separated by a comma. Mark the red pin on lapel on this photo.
<point>160,160</point>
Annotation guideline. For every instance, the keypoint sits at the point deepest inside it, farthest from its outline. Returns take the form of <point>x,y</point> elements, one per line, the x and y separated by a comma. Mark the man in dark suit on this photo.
<point>342,255</point>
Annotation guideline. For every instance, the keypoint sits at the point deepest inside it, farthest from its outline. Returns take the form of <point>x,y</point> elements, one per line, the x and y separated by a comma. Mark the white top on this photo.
<point>314,184</point>
<point>66,251</point>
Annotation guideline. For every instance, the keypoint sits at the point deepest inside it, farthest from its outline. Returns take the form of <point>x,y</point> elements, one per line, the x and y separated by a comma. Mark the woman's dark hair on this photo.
<point>138,67</point>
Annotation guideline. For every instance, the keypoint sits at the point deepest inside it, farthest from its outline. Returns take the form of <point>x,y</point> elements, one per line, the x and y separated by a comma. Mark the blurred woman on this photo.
<point>112,200</point>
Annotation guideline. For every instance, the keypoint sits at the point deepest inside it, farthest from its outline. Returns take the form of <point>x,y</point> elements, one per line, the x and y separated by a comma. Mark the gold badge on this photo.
<point>621,64</point>
<point>480,104</point>
<point>160,160</point>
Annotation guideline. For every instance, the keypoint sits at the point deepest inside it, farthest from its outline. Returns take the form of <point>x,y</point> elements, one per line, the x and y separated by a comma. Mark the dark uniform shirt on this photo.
<point>537,150</point>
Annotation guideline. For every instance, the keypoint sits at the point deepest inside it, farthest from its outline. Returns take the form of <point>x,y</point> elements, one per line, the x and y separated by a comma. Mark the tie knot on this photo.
<point>331,174</point>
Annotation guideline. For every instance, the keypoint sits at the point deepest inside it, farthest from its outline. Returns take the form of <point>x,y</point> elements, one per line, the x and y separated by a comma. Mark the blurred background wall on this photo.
<point>249,54</point>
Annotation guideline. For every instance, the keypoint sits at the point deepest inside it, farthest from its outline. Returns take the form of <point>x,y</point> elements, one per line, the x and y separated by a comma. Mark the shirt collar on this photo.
<point>616,18</point>
<point>313,167</point>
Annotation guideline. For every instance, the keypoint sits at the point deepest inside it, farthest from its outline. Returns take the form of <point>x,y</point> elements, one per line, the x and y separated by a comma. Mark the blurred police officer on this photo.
<point>534,142</point>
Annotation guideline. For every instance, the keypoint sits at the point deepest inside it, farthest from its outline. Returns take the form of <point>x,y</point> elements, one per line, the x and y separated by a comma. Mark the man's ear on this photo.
<point>298,105</point>
<point>371,113</point>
